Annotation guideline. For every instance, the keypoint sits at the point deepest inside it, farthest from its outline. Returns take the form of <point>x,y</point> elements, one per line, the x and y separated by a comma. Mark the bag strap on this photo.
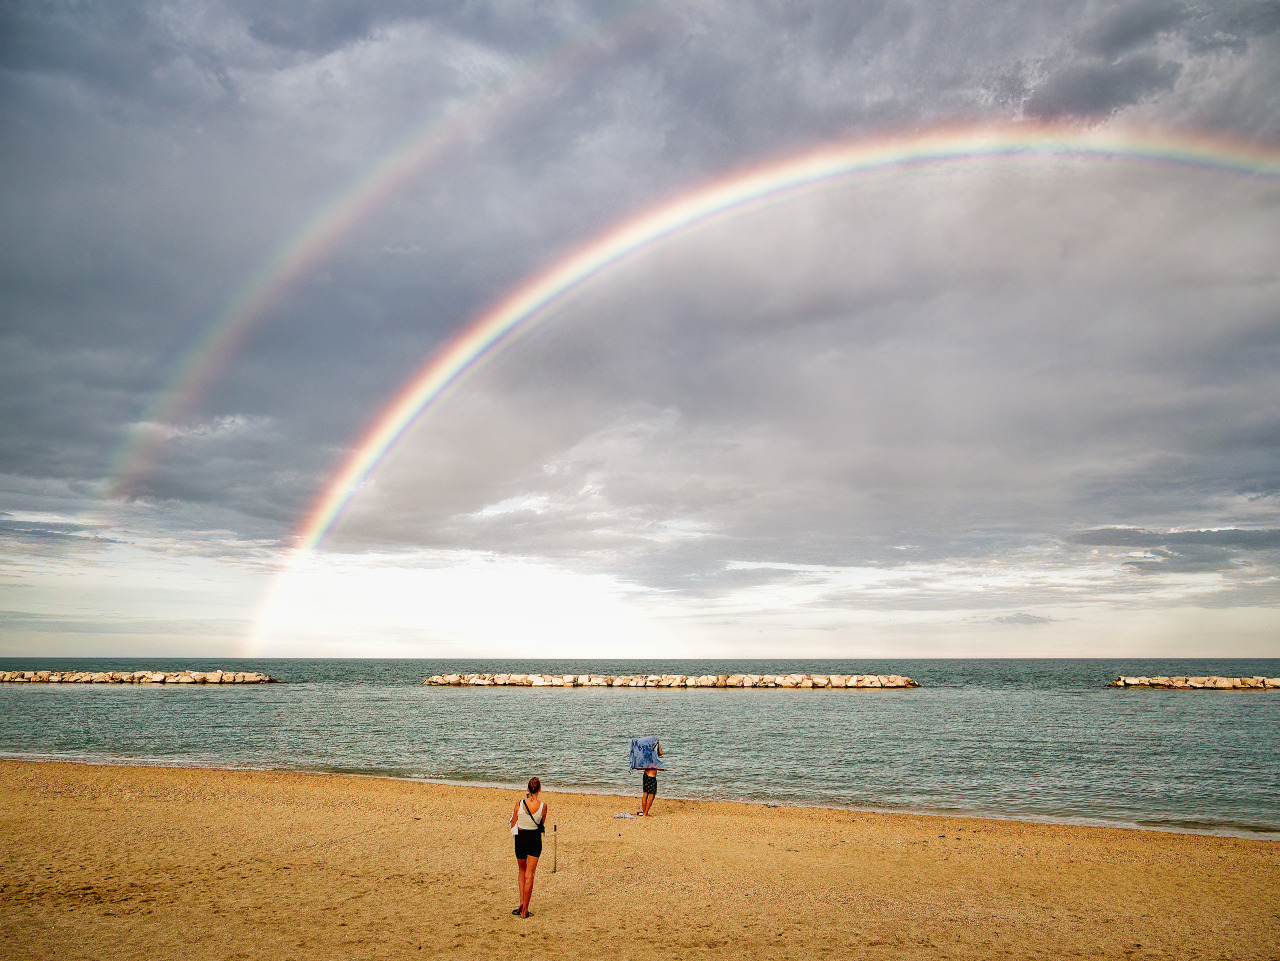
<point>525,802</point>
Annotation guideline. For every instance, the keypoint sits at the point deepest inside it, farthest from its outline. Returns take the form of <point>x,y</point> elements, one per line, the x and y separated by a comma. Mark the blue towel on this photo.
<point>644,753</point>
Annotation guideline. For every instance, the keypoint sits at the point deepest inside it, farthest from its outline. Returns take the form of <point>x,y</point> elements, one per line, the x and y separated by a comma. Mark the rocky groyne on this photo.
<point>1200,683</point>
<point>837,681</point>
<point>136,677</point>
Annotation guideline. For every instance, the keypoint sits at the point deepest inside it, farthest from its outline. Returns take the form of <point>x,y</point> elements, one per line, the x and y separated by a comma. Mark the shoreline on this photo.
<point>113,862</point>
<point>1196,829</point>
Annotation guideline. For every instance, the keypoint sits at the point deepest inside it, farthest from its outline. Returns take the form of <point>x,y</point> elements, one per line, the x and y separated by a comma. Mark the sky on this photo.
<point>937,400</point>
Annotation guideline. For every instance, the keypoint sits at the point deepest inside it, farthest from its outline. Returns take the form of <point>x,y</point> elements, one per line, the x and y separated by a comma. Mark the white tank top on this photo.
<point>524,821</point>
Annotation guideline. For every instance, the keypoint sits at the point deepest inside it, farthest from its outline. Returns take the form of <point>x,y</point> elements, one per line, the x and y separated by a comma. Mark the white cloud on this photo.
<point>452,604</point>
<point>216,429</point>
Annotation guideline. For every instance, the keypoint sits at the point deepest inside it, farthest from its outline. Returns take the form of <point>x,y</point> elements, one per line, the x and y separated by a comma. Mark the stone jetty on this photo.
<point>136,677</point>
<point>1201,683</point>
<point>844,681</point>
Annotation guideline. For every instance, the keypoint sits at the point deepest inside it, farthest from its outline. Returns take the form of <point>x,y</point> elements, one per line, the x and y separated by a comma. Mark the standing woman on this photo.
<point>527,821</point>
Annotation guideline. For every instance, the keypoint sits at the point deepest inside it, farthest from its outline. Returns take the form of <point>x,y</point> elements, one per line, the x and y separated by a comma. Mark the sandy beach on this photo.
<point>128,862</point>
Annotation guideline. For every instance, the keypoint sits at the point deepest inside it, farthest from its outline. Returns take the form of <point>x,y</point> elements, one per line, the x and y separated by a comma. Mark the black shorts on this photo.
<point>650,783</point>
<point>528,844</point>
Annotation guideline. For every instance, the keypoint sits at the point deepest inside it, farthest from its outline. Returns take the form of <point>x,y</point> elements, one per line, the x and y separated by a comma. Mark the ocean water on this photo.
<point>1029,739</point>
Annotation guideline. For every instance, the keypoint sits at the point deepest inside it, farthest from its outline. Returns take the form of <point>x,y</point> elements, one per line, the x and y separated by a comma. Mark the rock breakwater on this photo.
<point>1200,683</point>
<point>845,681</point>
<point>136,677</point>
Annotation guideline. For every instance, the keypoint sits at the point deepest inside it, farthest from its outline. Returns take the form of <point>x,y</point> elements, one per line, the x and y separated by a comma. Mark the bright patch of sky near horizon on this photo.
<point>896,416</point>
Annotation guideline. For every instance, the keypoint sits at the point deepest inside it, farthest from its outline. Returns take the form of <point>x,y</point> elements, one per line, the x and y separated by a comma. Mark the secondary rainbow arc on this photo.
<point>334,220</point>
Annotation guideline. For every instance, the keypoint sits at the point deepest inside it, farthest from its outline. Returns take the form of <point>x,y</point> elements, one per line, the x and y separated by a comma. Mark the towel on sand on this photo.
<point>644,753</point>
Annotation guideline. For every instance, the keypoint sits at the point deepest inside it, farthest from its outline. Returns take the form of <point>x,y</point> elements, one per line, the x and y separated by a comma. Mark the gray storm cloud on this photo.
<point>964,362</point>
<point>1016,349</point>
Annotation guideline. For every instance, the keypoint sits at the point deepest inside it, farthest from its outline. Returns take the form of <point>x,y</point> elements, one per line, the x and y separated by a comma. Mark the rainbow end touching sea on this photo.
<point>540,296</point>
<point>739,191</point>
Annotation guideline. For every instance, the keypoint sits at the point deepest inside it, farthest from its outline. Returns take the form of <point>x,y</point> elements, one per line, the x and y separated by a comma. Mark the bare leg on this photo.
<point>645,804</point>
<point>521,871</point>
<point>526,885</point>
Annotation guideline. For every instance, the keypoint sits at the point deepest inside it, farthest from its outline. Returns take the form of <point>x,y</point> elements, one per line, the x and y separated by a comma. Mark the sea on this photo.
<point>1039,740</point>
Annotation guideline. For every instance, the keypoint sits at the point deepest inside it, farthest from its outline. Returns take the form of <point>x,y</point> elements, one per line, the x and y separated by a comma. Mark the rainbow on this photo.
<point>322,232</point>
<point>538,296</point>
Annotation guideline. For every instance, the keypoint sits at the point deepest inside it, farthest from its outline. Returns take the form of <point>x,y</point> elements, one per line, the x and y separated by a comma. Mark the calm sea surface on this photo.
<point>1033,739</point>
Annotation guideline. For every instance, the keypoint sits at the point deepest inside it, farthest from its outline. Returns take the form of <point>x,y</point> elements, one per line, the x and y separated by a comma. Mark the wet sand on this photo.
<point>126,862</point>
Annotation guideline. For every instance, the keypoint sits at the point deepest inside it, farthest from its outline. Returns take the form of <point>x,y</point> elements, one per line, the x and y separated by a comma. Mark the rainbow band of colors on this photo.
<point>537,297</point>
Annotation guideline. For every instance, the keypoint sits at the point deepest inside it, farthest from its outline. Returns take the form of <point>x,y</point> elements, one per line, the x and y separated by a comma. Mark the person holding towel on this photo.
<point>528,820</point>
<point>645,754</point>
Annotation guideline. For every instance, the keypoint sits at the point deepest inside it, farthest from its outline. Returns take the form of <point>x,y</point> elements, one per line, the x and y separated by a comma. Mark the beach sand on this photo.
<point>129,862</point>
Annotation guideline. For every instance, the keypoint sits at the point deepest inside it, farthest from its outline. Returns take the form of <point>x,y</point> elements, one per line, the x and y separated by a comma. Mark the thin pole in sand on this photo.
<point>554,848</point>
